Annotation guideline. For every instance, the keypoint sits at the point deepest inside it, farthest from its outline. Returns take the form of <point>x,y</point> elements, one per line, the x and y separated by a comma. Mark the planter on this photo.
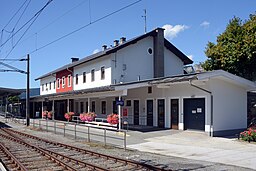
<point>89,117</point>
<point>113,119</point>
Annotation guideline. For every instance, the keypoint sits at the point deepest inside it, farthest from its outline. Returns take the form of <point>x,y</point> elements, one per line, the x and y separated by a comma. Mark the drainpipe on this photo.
<point>207,91</point>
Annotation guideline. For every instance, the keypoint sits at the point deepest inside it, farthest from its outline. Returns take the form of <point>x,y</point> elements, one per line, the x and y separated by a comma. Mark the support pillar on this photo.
<point>42,109</point>
<point>68,105</point>
<point>119,113</point>
<point>88,104</point>
<point>53,110</point>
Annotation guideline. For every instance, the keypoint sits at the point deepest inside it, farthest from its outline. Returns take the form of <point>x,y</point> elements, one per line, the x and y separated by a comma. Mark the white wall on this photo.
<point>137,60</point>
<point>87,67</point>
<point>173,65</point>
<point>230,106</point>
<point>178,91</point>
<point>47,89</point>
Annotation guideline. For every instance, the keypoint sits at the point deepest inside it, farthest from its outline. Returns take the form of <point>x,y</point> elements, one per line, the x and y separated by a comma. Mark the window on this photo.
<point>63,82</point>
<point>69,80</point>
<point>54,84</point>
<point>84,77</point>
<point>50,85</point>
<point>46,86</point>
<point>128,102</point>
<point>76,78</point>
<point>149,90</point>
<point>42,87</point>
<point>92,75</point>
<point>93,106</point>
<point>58,83</point>
<point>103,107</point>
<point>102,71</point>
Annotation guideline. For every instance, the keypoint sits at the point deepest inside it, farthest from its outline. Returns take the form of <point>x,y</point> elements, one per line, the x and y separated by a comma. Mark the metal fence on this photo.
<point>105,135</point>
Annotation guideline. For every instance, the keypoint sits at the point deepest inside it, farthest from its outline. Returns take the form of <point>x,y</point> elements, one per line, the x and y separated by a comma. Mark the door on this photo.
<point>174,113</point>
<point>194,112</point>
<point>149,112</point>
<point>161,113</point>
<point>136,112</point>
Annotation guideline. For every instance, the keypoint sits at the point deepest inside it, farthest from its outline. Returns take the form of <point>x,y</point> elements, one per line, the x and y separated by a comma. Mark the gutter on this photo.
<point>209,92</point>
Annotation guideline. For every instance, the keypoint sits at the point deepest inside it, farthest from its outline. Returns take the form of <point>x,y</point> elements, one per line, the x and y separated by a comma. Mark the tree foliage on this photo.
<point>235,50</point>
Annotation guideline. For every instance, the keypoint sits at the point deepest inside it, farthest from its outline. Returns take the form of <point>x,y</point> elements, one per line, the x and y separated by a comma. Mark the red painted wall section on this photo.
<point>65,87</point>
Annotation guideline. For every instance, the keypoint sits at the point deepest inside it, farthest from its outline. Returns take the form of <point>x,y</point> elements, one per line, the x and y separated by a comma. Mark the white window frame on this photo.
<point>46,86</point>
<point>77,79</point>
<point>42,87</point>
<point>58,83</point>
<point>101,75</point>
<point>69,80</point>
<point>63,81</point>
<point>92,75</point>
<point>50,85</point>
<point>54,84</point>
<point>84,77</point>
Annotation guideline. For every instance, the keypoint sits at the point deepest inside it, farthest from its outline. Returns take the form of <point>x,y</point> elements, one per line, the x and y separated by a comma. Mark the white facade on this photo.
<point>95,65</point>
<point>47,85</point>
<point>133,62</point>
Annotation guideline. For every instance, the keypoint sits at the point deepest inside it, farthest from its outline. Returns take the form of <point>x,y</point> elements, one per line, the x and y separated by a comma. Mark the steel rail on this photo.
<point>108,157</point>
<point>56,160</point>
<point>54,155</point>
<point>12,157</point>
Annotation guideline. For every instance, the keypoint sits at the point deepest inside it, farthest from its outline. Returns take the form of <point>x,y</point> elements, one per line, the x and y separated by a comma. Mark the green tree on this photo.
<point>235,50</point>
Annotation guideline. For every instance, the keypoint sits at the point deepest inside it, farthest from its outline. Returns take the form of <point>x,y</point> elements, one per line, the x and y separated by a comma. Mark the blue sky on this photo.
<point>189,26</point>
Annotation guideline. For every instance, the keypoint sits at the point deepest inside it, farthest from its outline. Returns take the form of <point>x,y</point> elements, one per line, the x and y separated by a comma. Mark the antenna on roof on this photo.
<point>145,20</point>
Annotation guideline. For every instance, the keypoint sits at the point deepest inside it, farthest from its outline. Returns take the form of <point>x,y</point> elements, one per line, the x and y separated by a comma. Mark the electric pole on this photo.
<point>28,94</point>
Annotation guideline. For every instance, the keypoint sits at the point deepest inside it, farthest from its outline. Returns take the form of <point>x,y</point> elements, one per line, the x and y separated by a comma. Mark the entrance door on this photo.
<point>136,112</point>
<point>150,112</point>
<point>194,112</point>
<point>174,113</point>
<point>161,112</point>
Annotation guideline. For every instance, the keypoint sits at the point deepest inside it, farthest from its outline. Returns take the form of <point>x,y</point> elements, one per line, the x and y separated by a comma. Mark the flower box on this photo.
<point>69,115</point>
<point>113,119</point>
<point>89,117</point>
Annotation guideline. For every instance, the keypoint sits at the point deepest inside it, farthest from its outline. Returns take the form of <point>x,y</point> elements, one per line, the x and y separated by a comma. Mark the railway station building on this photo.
<point>145,76</point>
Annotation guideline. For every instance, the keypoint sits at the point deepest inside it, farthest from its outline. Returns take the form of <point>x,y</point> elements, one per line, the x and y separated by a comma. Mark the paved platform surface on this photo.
<point>192,145</point>
<point>195,145</point>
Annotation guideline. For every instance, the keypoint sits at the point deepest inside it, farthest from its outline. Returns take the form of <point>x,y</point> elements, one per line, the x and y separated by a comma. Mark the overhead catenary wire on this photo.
<point>14,14</point>
<point>49,1</point>
<point>93,22</point>
<point>54,20</point>
<point>84,26</point>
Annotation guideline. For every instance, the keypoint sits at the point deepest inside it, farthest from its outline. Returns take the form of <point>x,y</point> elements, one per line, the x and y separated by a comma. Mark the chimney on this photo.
<point>74,59</point>
<point>116,42</point>
<point>159,53</point>
<point>104,47</point>
<point>122,40</point>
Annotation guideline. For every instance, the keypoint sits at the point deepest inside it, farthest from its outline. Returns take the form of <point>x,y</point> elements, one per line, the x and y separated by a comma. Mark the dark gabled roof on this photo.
<point>167,44</point>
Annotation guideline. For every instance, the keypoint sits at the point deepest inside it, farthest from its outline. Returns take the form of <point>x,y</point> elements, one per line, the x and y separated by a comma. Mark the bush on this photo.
<point>249,135</point>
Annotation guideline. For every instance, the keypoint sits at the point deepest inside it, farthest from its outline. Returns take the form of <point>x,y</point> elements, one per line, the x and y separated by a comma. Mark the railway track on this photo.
<point>74,158</point>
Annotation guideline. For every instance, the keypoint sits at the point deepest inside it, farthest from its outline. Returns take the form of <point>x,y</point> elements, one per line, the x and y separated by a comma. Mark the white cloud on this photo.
<point>205,24</point>
<point>190,57</point>
<point>95,51</point>
<point>172,31</point>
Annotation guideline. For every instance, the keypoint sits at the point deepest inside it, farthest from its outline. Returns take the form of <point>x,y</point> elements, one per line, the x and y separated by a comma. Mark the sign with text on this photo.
<point>125,112</point>
<point>120,102</point>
